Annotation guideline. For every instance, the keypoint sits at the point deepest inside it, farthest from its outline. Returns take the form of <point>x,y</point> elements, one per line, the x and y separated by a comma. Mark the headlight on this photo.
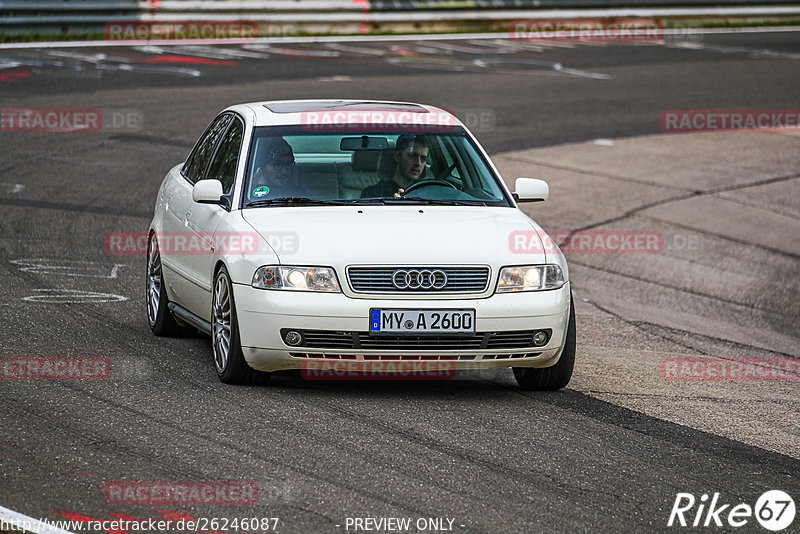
<point>296,278</point>
<point>530,278</point>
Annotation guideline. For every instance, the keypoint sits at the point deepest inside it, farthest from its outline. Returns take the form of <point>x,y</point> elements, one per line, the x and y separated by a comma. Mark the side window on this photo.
<point>223,166</point>
<point>197,163</point>
<point>445,154</point>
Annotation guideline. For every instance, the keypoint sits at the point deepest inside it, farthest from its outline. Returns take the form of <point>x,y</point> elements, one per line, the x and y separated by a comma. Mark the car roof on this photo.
<point>303,112</point>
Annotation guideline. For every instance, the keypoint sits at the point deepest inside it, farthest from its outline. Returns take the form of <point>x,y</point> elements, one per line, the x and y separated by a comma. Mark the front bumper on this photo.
<point>262,314</point>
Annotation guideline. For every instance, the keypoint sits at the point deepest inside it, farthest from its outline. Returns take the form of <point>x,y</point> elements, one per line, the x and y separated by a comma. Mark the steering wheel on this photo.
<point>439,180</point>
<point>427,182</point>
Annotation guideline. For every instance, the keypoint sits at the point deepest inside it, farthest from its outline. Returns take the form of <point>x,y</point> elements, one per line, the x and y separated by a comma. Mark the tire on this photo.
<point>557,376</point>
<point>228,357</point>
<point>161,320</point>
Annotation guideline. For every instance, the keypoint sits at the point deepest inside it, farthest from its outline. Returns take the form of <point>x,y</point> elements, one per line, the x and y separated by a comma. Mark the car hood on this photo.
<point>395,235</point>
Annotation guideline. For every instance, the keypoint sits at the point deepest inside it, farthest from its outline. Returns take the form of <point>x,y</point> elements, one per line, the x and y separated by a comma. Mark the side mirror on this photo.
<point>531,190</point>
<point>208,192</point>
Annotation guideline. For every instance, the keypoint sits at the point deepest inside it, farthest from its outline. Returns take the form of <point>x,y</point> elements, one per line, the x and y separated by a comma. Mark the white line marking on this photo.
<point>160,69</point>
<point>428,66</point>
<point>115,270</point>
<point>492,45</point>
<point>558,67</point>
<point>430,50</point>
<point>72,296</point>
<point>370,38</point>
<point>755,53</point>
<point>28,523</point>
<point>149,49</point>
<point>13,188</point>
<point>90,269</point>
<point>291,51</point>
<point>604,142</point>
<point>93,58</point>
<point>508,43</point>
<point>102,62</point>
<point>210,52</point>
<point>358,49</point>
<point>462,49</point>
<point>224,53</point>
<point>335,78</point>
<point>9,64</point>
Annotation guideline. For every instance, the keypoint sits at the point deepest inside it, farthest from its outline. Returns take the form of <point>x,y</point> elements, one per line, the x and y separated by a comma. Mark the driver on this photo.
<point>410,155</point>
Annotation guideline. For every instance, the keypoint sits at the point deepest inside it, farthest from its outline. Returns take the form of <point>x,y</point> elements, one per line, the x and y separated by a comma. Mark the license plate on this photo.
<point>422,321</point>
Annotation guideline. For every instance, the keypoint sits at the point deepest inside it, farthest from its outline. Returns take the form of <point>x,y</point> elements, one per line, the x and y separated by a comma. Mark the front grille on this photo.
<point>509,356</point>
<point>379,279</point>
<point>329,339</point>
<point>323,356</point>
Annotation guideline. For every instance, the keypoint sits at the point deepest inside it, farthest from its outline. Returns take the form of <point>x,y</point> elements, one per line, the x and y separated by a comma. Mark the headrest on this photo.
<point>386,163</point>
<point>365,160</point>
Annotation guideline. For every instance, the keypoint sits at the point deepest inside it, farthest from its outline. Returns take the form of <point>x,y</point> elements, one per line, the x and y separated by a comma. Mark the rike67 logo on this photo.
<point>774,510</point>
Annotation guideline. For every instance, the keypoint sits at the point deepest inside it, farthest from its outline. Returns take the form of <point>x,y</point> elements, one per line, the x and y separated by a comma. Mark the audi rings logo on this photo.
<point>419,279</point>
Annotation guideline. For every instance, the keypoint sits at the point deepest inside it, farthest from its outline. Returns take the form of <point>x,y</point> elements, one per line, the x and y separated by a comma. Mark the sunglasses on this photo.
<point>279,165</point>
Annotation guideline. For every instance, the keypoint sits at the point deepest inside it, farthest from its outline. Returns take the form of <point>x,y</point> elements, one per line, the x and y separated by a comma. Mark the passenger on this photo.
<point>275,170</point>
<point>410,156</point>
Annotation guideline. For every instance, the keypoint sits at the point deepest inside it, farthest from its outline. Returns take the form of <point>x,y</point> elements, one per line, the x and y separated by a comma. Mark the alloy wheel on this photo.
<point>221,328</point>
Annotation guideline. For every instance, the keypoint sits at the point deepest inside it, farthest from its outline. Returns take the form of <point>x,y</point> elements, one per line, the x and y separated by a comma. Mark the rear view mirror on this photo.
<point>531,190</point>
<point>365,142</point>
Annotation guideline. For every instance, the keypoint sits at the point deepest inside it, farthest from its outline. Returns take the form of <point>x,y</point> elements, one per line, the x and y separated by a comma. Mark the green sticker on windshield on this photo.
<point>260,191</point>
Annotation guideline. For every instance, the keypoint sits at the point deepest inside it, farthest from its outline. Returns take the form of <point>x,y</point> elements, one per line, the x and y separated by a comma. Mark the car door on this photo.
<point>178,252</point>
<point>203,219</point>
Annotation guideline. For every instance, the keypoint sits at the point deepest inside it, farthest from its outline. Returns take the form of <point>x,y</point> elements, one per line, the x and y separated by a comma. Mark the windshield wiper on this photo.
<point>296,201</point>
<point>367,201</point>
<point>433,202</point>
<point>305,201</point>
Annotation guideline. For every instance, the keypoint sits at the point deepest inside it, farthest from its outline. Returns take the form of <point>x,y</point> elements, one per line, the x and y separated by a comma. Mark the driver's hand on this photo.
<point>399,193</point>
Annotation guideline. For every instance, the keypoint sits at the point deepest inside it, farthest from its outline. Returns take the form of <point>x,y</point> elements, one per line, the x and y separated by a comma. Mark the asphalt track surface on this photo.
<point>475,450</point>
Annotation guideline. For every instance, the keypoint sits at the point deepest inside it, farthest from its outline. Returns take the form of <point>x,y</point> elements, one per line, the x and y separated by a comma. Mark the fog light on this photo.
<point>293,338</point>
<point>540,338</point>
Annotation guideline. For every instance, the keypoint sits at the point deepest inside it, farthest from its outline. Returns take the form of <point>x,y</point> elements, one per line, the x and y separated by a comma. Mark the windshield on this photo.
<point>291,167</point>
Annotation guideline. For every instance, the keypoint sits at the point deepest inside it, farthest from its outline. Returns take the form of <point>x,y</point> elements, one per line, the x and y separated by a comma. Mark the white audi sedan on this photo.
<point>353,237</point>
